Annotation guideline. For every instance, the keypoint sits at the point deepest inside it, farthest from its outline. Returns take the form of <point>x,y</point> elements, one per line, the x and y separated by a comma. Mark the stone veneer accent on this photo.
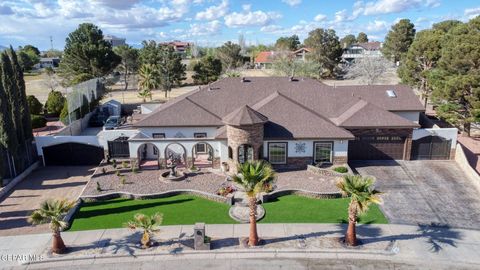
<point>248,134</point>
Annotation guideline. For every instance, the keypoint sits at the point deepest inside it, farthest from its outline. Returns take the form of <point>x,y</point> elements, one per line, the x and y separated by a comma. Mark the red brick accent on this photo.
<point>295,163</point>
<point>340,159</point>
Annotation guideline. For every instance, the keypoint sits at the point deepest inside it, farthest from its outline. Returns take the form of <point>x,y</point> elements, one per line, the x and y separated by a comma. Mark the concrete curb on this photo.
<point>265,197</point>
<point>18,179</point>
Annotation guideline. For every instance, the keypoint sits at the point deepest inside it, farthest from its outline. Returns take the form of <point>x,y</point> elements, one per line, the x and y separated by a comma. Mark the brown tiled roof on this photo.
<point>371,46</point>
<point>244,116</point>
<point>299,108</point>
<point>264,57</point>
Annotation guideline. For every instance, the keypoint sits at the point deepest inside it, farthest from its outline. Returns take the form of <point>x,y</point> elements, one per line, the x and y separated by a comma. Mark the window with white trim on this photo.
<point>277,153</point>
<point>323,152</point>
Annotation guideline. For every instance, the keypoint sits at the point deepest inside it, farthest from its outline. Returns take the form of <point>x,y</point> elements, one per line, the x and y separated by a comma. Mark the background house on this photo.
<point>360,50</point>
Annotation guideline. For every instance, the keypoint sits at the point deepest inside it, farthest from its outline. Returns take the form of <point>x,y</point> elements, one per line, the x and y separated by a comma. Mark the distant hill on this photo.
<point>3,48</point>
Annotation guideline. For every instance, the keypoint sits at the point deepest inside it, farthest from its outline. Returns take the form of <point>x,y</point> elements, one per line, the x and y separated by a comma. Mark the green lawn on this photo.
<point>188,209</point>
<point>298,209</point>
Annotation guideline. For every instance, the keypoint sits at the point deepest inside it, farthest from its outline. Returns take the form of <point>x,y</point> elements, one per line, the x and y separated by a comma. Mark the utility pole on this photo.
<point>51,42</point>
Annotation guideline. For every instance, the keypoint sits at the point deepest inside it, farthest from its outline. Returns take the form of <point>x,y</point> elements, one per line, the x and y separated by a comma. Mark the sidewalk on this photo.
<point>393,243</point>
<point>471,148</point>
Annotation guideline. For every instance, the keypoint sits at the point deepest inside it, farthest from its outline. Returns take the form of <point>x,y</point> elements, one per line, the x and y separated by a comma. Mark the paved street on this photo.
<point>43,183</point>
<point>384,247</point>
<point>425,192</point>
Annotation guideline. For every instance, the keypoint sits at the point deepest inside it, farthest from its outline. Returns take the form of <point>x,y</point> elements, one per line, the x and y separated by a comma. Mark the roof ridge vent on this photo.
<point>391,93</point>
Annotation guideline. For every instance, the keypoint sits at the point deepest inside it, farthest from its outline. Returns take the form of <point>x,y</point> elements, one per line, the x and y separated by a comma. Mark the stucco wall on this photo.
<point>174,132</point>
<point>162,144</point>
<point>412,116</point>
<point>340,147</point>
<point>448,133</point>
<point>109,135</point>
<point>43,141</point>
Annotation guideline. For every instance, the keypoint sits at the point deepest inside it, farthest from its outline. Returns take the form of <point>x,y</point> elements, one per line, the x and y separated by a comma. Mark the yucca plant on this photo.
<point>254,176</point>
<point>362,193</point>
<point>52,211</point>
<point>148,224</point>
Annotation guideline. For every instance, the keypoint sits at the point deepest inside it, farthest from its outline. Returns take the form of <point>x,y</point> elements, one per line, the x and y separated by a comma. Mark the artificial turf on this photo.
<point>189,209</point>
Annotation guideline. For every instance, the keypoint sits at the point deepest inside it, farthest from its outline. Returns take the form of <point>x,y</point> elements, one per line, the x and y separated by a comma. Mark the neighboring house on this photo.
<point>360,50</point>
<point>51,62</point>
<point>264,60</point>
<point>289,122</point>
<point>179,46</point>
<point>300,54</point>
<point>115,41</point>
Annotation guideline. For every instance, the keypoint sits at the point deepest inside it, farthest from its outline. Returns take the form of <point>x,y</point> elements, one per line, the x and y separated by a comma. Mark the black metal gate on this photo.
<point>431,148</point>
<point>77,154</point>
<point>118,148</point>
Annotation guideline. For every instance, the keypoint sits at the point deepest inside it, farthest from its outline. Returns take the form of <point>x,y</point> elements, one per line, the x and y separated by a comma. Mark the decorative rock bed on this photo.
<point>328,170</point>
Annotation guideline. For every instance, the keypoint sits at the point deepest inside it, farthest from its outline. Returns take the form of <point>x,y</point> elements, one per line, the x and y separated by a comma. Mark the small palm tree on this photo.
<point>52,211</point>
<point>254,176</point>
<point>148,224</point>
<point>362,193</point>
<point>148,80</point>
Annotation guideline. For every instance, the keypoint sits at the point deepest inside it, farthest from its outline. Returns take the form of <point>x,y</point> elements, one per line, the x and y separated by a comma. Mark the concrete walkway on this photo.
<point>471,147</point>
<point>45,182</point>
<point>432,247</point>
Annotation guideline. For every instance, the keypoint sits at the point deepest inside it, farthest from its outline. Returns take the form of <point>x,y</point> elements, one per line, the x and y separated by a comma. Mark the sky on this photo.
<point>213,22</point>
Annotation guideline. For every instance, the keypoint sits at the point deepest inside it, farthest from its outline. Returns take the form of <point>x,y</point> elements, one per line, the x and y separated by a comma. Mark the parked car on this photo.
<point>112,122</point>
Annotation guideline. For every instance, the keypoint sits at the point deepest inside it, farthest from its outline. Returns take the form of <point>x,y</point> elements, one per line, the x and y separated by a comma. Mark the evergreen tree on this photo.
<point>398,40</point>
<point>22,95</point>
<point>422,56</point>
<point>207,70</point>
<point>291,43</point>
<point>456,81</point>
<point>347,40</point>
<point>87,55</point>
<point>362,37</point>
<point>326,50</point>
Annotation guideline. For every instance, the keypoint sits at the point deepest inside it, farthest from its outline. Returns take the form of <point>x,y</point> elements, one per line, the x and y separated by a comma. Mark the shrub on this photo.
<point>124,164</point>
<point>38,121</point>
<point>34,105</point>
<point>123,180</point>
<point>114,163</point>
<point>134,169</point>
<point>117,172</point>
<point>55,102</point>
<point>64,114</point>
<point>99,188</point>
<point>341,169</point>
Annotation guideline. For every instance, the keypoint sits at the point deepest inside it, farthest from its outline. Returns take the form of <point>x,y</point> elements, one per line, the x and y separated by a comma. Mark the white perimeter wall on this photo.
<point>340,147</point>
<point>43,141</point>
<point>447,133</point>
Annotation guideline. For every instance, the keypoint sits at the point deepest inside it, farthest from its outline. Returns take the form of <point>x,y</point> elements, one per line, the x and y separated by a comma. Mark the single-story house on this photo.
<point>290,122</point>
<point>264,60</point>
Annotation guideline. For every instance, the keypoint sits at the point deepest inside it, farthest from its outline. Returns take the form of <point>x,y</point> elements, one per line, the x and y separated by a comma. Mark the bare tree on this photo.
<point>285,64</point>
<point>368,69</point>
<point>242,43</point>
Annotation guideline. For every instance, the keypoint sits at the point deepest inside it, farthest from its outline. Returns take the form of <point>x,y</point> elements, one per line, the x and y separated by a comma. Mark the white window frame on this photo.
<point>285,144</point>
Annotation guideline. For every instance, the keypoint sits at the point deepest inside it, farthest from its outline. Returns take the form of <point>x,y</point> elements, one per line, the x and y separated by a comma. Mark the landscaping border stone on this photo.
<point>4,191</point>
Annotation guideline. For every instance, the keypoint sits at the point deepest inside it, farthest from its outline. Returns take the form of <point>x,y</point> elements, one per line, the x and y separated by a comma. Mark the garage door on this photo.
<point>76,154</point>
<point>376,148</point>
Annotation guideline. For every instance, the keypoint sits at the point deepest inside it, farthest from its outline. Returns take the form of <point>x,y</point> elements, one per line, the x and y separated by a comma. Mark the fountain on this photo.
<point>172,174</point>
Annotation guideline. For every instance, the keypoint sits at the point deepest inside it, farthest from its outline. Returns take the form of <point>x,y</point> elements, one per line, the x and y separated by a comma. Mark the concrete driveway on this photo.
<point>425,192</point>
<point>45,182</point>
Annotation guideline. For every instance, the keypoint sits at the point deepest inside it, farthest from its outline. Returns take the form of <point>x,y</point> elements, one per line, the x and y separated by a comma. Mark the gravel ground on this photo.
<point>306,181</point>
<point>147,182</point>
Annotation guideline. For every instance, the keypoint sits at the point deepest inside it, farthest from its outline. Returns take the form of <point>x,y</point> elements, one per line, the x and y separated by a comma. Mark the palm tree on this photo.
<point>254,177</point>
<point>149,224</point>
<point>52,211</point>
<point>148,80</point>
<point>362,193</point>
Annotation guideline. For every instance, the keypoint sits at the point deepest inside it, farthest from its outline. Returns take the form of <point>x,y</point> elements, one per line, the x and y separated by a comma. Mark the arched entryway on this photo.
<point>203,155</point>
<point>178,152</point>
<point>245,153</point>
<point>148,156</point>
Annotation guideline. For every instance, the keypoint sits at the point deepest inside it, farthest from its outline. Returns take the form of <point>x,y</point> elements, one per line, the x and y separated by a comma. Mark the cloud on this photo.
<point>6,10</point>
<point>393,6</point>
<point>213,12</point>
<point>117,4</point>
<point>320,17</point>
<point>206,29</point>
<point>250,18</point>
<point>472,12</point>
<point>377,26</point>
<point>292,2</point>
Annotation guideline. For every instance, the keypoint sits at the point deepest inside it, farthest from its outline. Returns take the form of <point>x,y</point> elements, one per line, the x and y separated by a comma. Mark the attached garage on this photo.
<point>76,154</point>
<point>379,145</point>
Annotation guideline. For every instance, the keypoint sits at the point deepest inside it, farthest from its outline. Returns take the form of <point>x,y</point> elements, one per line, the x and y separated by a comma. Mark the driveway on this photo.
<point>45,182</point>
<point>425,192</point>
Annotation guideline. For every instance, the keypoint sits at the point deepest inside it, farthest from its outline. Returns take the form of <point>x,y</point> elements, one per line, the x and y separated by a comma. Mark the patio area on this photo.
<point>147,181</point>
